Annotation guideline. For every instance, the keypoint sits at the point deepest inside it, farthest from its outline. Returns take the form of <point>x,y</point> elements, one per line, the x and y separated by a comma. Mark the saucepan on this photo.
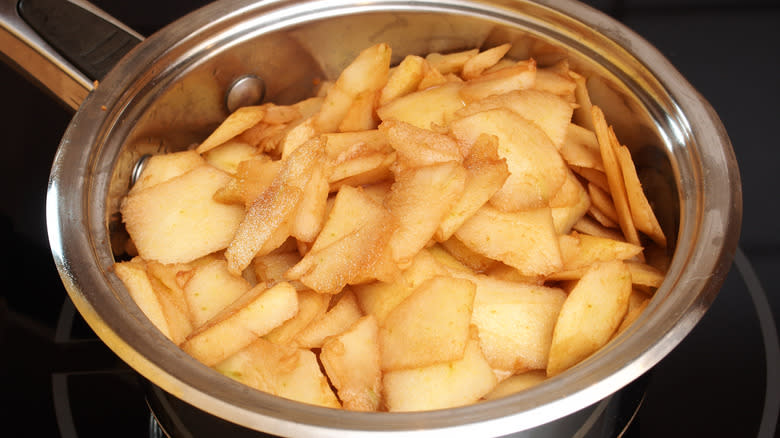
<point>169,90</point>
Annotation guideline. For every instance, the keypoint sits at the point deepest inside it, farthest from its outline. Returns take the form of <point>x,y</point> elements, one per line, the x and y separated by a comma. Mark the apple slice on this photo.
<point>351,361</point>
<point>590,315</point>
<point>344,313</point>
<point>419,199</point>
<point>403,79</point>
<point>252,315</point>
<point>285,371</point>
<point>445,385</point>
<point>133,275</point>
<point>161,168</point>
<point>536,168</point>
<point>525,240</point>
<point>415,335</point>
<point>178,220</point>
<point>427,108</point>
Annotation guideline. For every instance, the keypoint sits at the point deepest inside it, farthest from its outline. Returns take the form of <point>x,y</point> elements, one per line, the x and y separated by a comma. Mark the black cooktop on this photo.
<point>58,380</point>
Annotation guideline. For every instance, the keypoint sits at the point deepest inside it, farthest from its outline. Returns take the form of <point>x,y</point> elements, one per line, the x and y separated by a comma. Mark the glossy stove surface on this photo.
<point>723,380</point>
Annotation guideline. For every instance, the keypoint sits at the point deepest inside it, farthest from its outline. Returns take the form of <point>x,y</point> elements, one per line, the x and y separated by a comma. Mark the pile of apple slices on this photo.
<point>417,237</point>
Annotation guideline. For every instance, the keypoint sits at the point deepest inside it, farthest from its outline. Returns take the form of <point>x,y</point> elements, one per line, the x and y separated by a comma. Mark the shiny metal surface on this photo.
<point>168,93</point>
<point>244,91</point>
<point>28,51</point>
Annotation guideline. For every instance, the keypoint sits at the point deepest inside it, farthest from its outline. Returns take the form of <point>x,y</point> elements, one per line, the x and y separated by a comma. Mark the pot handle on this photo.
<point>63,45</point>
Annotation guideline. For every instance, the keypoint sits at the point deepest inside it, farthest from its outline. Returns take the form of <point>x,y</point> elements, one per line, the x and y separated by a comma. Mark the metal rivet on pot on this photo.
<point>244,91</point>
<point>138,168</point>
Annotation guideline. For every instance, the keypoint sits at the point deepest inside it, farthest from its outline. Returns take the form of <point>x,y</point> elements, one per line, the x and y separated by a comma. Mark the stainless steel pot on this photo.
<point>169,92</point>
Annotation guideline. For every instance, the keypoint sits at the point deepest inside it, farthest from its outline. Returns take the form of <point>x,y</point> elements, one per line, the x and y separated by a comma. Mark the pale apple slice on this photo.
<point>270,268</point>
<point>515,334</point>
<point>431,78</point>
<point>210,289</point>
<point>448,261</point>
<point>379,298</point>
<point>524,240</point>
<point>548,111</point>
<point>570,204</point>
<point>285,371</point>
<point>486,174</point>
<point>178,220</point>
<point>330,269</point>
<point>348,245</point>
<point>596,177</point>
<point>643,274</point>
<point>450,62</point>
<point>580,250</point>
<point>515,321</point>
<point>351,362</point>
<point>641,211</point>
<point>427,108</point>
<point>340,145</point>
<point>161,168</point>
<point>617,187</point>
<point>309,217</point>
<point>590,315</point>
<point>582,115</point>
<point>226,156</point>
<point>237,122</point>
<point>632,315</point>
<point>368,72</point>
<point>403,79</point>
<point>518,77</point>
<point>502,271</point>
<point>413,335</point>
<point>344,313</point>
<point>603,202</point>
<point>516,383</point>
<point>474,260</point>
<point>251,179</point>
<point>133,275</point>
<point>556,82</point>
<point>419,199</point>
<point>359,166</point>
<point>586,225</point>
<point>602,218</point>
<point>360,116</point>
<point>311,306</point>
<point>474,66</point>
<point>264,137</point>
<point>536,168</point>
<point>296,135</point>
<point>252,315</point>
<point>446,385</point>
<point>580,148</point>
<point>172,299</point>
<point>281,114</point>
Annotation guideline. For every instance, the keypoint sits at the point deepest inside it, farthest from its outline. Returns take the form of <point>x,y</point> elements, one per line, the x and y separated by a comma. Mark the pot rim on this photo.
<point>708,234</point>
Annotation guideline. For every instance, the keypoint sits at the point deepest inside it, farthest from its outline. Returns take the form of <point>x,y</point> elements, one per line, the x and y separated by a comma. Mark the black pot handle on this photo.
<point>63,45</point>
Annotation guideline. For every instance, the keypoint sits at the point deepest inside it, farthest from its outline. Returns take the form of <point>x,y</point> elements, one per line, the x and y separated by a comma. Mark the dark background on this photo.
<point>714,384</point>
